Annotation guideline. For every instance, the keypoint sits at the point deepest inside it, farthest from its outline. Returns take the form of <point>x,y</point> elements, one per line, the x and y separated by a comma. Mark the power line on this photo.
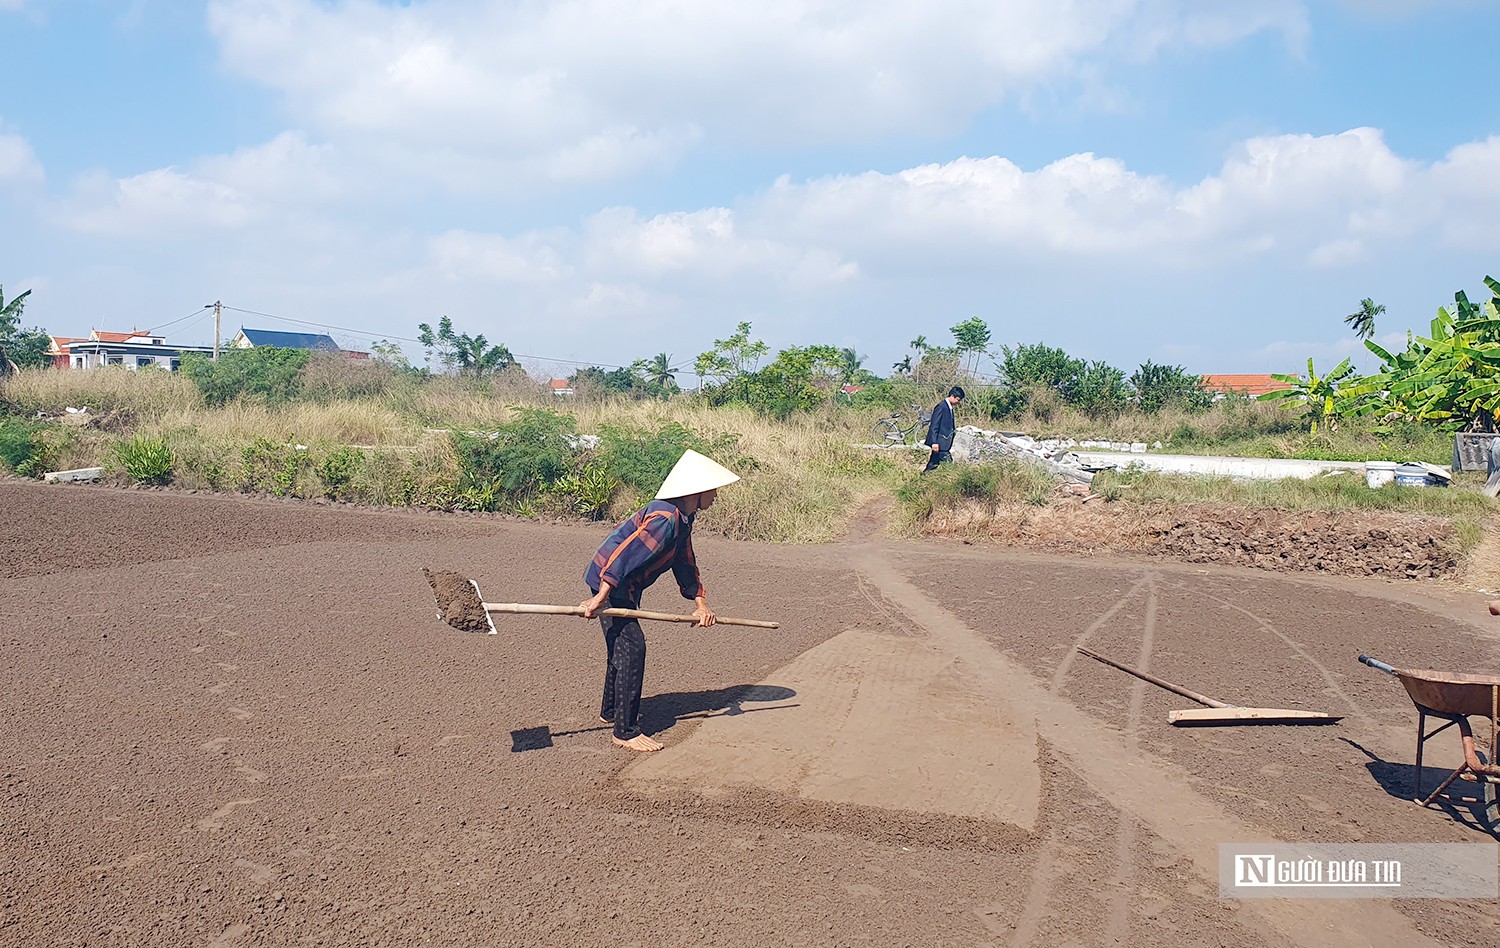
<point>174,322</point>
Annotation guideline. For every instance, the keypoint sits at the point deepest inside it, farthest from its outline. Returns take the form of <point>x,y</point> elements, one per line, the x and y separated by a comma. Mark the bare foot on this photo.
<point>1495,608</point>
<point>606,720</point>
<point>640,743</point>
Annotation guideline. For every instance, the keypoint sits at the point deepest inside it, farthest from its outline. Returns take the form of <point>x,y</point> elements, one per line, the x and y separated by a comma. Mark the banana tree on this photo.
<point>1320,393</point>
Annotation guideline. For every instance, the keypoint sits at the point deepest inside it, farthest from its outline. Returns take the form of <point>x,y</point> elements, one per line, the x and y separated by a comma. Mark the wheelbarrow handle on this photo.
<point>1377,664</point>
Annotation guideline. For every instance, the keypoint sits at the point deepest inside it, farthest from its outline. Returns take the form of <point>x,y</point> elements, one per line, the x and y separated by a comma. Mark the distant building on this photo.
<point>58,351</point>
<point>560,387</point>
<point>133,350</point>
<point>1252,385</point>
<point>250,338</point>
<point>317,342</point>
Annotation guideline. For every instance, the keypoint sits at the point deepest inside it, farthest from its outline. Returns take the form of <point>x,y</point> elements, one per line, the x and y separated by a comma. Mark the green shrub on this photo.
<point>18,443</point>
<point>528,455</point>
<point>338,469</point>
<point>590,490</point>
<point>991,483</point>
<point>146,460</point>
<point>268,374</point>
<point>641,460</point>
<point>268,466</point>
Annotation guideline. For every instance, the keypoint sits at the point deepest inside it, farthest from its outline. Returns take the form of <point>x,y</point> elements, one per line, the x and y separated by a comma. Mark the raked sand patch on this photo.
<point>878,720</point>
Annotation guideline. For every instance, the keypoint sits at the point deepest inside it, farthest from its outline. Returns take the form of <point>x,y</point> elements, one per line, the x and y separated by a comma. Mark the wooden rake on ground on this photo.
<point>1219,712</point>
<point>461,605</point>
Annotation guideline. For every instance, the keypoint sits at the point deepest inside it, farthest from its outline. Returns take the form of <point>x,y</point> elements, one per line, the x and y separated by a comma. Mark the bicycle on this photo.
<point>896,427</point>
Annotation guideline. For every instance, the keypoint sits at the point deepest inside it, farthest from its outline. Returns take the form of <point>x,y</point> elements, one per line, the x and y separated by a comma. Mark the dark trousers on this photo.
<point>938,457</point>
<point>625,672</point>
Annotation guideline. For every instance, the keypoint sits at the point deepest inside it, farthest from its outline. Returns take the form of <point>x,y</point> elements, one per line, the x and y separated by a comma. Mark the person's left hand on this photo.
<point>705,616</point>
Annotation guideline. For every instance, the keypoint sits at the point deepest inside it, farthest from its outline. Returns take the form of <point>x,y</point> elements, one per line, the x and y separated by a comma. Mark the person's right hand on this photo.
<point>935,448</point>
<point>591,605</point>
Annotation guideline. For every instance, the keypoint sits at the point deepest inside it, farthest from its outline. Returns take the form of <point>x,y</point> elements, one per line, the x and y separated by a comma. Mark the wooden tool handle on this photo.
<point>628,613</point>
<point>1178,689</point>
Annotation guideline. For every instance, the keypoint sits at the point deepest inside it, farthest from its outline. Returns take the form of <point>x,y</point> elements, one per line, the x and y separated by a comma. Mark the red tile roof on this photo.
<point>99,335</point>
<point>559,383</point>
<point>1245,384</point>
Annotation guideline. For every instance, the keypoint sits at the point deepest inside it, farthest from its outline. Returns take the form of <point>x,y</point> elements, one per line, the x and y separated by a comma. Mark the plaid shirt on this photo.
<point>657,538</point>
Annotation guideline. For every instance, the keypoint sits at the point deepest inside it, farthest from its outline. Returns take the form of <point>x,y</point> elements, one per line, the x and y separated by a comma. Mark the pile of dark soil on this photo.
<point>1356,544</point>
<point>458,601</point>
<point>1343,543</point>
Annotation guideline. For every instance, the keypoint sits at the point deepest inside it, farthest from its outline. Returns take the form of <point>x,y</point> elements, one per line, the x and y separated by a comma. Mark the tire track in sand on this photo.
<point>1123,881</point>
<point>1142,786</point>
<point>1047,871</point>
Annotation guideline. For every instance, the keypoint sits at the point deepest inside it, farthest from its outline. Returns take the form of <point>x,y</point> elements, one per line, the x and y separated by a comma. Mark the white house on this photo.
<point>133,350</point>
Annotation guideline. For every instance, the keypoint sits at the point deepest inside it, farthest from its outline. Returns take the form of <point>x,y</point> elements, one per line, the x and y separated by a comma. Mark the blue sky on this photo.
<point>1212,183</point>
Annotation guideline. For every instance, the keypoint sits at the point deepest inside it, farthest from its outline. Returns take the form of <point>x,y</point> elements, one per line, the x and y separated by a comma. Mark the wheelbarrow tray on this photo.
<point>1449,692</point>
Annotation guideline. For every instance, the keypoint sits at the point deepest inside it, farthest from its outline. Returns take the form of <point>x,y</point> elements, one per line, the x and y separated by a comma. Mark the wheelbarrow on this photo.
<point>1452,697</point>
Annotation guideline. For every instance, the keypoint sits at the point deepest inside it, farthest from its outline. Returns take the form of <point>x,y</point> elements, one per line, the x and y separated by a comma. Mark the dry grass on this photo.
<point>147,394</point>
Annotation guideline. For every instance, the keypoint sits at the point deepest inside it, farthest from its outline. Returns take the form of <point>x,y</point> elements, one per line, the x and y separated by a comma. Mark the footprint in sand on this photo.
<point>219,688</point>
<point>227,667</point>
<point>249,773</point>
<point>450,739</point>
<point>199,648</point>
<point>216,745</point>
<point>216,821</point>
<point>240,714</point>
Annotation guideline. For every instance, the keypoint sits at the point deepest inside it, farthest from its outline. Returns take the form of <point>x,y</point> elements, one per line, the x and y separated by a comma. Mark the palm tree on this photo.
<point>903,367</point>
<point>849,365</point>
<point>1362,321</point>
<point>919,346</point>
<point>659,371</point>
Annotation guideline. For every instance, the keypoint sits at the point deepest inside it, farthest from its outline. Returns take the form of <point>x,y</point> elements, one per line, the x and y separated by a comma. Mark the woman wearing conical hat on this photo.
<point>656,538</point>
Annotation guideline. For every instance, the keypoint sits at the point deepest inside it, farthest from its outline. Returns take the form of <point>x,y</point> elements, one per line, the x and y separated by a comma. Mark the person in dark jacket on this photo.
<point>656,538</point>
<point>941,428</point>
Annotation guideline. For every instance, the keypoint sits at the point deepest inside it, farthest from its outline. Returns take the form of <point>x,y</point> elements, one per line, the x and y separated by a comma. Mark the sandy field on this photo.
<point>230,722</point>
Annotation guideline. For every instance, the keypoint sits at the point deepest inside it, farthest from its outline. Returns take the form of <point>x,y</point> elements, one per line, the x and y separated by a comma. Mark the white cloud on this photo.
<point>591,89</point>
<point>165,203</point>
<point>18,163</point>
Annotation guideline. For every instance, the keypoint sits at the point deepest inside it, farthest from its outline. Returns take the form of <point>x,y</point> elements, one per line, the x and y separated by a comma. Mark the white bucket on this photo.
<point>1379,473</point>
<point>1412,475</point>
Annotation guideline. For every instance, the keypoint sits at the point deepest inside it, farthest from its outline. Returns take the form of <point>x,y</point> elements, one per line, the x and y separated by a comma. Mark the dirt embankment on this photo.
<point>1343,543</point>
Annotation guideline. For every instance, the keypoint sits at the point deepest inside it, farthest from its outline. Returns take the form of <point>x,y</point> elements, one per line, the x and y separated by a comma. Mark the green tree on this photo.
<point>269,374</point>
<point>1098,389</point>
<point>731,359</point>
<point>470,355</point>
<point>1362,320</point>
<point>903,367</point>
<point>1038,365</point>
<point>850,365</point>
<point>973,339</point>
<point>659,372</point>
<point>919,346</point>
<point>1158,386</point>
<point>390,353</point>
<point>1451,377</point>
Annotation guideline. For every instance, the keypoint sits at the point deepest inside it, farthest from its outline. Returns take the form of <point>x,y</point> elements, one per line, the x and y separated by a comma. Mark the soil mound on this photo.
<point>1344,543</point>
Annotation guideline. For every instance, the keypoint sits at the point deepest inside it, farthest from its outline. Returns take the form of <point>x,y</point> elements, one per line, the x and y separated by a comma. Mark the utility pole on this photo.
<point>218,308</point>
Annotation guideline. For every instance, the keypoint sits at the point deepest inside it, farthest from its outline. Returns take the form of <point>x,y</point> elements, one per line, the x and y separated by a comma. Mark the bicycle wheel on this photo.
<point>888,431</point>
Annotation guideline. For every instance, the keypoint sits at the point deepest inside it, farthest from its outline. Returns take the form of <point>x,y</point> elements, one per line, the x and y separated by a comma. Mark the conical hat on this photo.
<point>693,474</point>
